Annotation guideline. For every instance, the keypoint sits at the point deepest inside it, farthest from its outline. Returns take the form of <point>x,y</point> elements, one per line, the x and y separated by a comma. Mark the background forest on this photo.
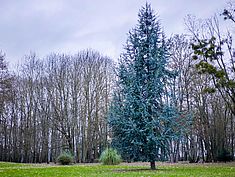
<point>61,102</point>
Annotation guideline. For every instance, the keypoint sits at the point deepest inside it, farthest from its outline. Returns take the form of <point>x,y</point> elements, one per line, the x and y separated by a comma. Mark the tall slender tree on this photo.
<point>142,112</point>
<point>6,94</point>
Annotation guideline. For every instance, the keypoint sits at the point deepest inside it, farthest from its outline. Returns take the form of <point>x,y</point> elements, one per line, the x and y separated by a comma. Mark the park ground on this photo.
<point>124,169</point>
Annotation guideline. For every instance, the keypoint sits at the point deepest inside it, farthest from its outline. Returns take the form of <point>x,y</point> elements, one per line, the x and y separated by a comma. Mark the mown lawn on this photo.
<point>125,170</point>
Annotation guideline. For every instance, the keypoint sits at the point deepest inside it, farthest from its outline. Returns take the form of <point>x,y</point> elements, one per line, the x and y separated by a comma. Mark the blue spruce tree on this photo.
<point>141,117</point>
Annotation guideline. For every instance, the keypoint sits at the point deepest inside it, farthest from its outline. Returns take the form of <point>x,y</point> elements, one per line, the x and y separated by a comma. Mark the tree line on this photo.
<point>61,102</point>
<point>57,104</point>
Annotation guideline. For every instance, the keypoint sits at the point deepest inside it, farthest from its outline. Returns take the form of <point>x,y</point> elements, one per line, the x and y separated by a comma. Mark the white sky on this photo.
<point>67,26</point>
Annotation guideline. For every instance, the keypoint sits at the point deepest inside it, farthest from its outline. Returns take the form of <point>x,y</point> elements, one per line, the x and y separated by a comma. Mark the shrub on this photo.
<point>110,157</point>
<point>65,158</point>
<point>224,156</point>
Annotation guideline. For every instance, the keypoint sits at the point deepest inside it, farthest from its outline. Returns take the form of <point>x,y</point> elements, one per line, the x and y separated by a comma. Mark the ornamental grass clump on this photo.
<point>65,158</point>
<point>110,157</point>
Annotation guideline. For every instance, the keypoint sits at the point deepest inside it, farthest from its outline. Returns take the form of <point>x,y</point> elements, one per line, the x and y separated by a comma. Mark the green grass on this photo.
<point>91,170</point>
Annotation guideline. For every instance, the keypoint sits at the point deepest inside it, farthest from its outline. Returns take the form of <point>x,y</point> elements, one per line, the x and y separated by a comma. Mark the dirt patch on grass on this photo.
<point>148,164</point>
<point>142,165</point>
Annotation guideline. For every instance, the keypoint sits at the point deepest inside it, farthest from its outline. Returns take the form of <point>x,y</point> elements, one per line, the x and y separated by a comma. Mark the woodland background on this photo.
<point>60,102</point>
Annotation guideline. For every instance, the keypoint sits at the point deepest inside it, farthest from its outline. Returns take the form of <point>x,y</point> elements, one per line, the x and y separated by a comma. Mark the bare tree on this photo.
<point>213,54</point>
<point>60,104</point>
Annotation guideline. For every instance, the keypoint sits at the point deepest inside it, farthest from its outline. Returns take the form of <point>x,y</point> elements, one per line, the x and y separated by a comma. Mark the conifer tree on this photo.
<point>141,119</point>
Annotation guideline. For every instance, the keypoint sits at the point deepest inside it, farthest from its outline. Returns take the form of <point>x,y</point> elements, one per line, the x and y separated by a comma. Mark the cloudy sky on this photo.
<point>66,26</point>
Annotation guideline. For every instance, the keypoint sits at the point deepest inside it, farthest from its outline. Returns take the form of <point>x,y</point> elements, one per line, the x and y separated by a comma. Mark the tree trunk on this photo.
<point>153,165</point>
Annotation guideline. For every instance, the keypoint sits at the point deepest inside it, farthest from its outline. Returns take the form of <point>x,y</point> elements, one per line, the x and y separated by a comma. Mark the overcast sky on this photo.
<point>66,26</point>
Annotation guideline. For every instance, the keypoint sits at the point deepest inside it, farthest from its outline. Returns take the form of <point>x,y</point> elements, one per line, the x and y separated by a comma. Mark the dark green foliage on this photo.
<point>224,156</point>
<point>207,52</point>
<point>65,158</point>
<point>110,157</point>
<point>142,116</point>
<point>209,90</point>
<point>207,48</point>
<point>228,13</point>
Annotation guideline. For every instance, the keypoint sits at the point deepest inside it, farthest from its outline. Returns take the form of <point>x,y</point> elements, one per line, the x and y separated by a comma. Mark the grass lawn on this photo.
<point>125,170</point>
